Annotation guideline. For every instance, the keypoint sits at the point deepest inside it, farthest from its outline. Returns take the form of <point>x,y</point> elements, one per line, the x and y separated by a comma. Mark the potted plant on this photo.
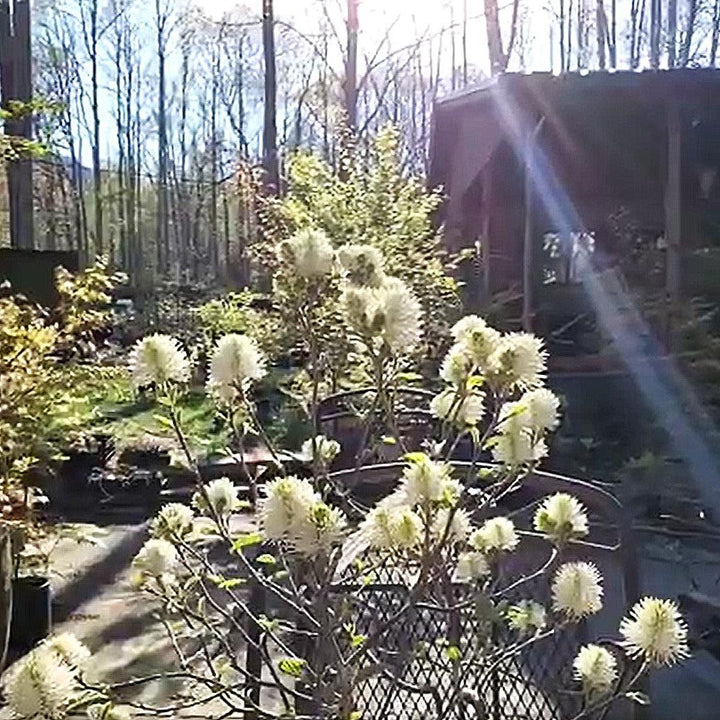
<point>147,452</point>
<point>32,544</point>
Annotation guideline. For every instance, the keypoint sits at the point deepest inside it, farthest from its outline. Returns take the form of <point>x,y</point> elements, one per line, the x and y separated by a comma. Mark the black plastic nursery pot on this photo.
<point>31,612</point>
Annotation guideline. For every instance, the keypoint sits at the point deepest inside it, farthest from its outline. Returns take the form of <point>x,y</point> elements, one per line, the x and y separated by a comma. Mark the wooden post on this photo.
<point>528,244</point>
<point>485,248</point>
<point>6,573</point>
<point>673,216</point>
<point>15,80</point>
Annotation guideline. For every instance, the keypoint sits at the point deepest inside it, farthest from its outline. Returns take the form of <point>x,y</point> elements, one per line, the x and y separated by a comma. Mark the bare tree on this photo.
<point>270,149</point>
<point>715,33</point>
<point>655,32</point>
<point>499,57</point>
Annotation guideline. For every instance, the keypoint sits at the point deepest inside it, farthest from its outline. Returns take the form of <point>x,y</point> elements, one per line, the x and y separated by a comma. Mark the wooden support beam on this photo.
<point>673,216</point>
<point>16,83</point>
<point>529,232</point>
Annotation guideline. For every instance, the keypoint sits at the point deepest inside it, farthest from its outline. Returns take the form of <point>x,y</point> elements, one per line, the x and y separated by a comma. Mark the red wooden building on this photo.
<point>559,181</point>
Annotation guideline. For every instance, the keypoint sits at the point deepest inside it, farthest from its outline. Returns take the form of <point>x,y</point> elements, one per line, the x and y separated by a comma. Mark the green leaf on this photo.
<point>266,559</point>
<point>452,653</point>
<point>415,457</point>
<point>267,624</point>
<point>409,377</point>
<point>247,540</point>
<point>355,715</point>
<point>163,421</point>
<point>358,640</point>
<point>231,583</point>
<point>389,440</point>
<point>292,666</point>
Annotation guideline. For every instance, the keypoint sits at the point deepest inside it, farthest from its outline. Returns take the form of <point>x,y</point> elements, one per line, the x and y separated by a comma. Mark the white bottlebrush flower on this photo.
<point>287,504</point>
<point>320,447</point>
<point>526,616</point>
<point>389,314</point>
<point>69,649</point>
<point>362,264</point>
<point>156,558</point>
<point>388,528</point>
<point>519,361</point>
<point>518,448</point>
<point>561,516</point>
<point>400,315</point>
<point>596,667</point>
<point>319,531</point>
<point>495,535</point>
<point>158,359</point>
<point>450,407</point>
<point>459,526</point>
<point>656,631</point>
<point>173,521</point>
<point>236,362</point>
<point>472,566</point>
<point>42,686</point>
<point>221,495</point>
<point>480,340</point>
<point>577,590</point>
<point>311,253</point>
<point>457,365</point>
<point>543,406</point>
<point>424,479</point>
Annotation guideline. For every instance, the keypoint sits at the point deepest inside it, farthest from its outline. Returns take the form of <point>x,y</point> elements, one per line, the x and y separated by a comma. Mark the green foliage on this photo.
<point>236,313</point>
<point>45,394</point>
<point>85,299</point>
<point>373,203</point>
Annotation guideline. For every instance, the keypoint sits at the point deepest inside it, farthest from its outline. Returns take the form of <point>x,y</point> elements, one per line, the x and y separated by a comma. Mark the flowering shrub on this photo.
<point>439,533</point>
<point>379,220</point>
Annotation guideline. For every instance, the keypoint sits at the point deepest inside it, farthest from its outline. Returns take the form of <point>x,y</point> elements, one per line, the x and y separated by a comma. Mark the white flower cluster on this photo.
<point>387,315</point>
<point>655,631</point>
<point>174,520</point>
<point>311,253</point>
<point>426,508</point>
<point>526,617</point>
<point>218,498</point>
<point>596,667</point>
<point>577,590</point>
<point>294,513</point>
<point>158,359</point>
<point>363,265</point>
<point>522,426</point>
<point>507,364</point>
<point>562,517</point>
<point>157,560</point>
<point>320,449</point>
<point>235,363</point>
<point>44,683</point>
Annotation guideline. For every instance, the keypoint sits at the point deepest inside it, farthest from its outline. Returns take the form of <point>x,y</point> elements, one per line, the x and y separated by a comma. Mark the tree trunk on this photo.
<point>494,38</point>
<point>715,33</point>
<point>689,33</point>
<point>270,151</point>
<point>672,16</point>
<point>97,174</point>
<point>351,60</point>
<point>16,85</point>
<point>655,32</point>
<point>601,33</point>
<point>163,229</point>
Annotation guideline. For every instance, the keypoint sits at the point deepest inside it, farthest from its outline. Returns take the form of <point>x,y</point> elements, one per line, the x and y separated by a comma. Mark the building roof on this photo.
<point>693,79</point>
